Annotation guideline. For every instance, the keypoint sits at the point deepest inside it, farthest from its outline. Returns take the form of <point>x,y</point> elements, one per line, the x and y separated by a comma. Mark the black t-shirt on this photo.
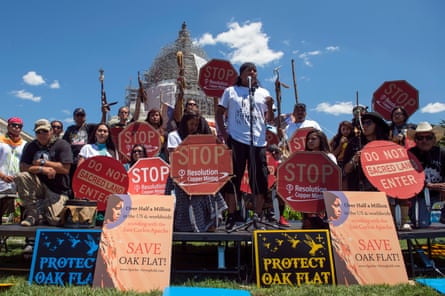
<point>58,151</point>
<point>77,137</point>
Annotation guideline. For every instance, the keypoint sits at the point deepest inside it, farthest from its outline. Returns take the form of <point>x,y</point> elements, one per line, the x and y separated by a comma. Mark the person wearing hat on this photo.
<point>432,158</point>
<point>43,182</point>
<point>77,135</point>
<point>11,148</point>
<point>247,141</point>
<point>374,128</point>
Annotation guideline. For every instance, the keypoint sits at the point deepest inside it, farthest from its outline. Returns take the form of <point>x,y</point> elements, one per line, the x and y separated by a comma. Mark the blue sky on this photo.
<point>51,51</point>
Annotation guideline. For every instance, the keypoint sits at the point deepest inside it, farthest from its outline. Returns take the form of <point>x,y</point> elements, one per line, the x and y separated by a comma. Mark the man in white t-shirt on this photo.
<point>300,121</point>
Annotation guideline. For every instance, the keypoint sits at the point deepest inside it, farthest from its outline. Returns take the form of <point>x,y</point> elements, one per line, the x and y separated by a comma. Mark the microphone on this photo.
<point>251,88</point>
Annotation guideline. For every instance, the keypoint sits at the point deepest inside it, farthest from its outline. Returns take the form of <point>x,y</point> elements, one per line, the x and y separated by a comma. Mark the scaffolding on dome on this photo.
<point>160,80</point>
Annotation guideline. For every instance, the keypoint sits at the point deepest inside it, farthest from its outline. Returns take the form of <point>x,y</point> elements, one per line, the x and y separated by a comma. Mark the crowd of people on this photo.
<point>40,172</point>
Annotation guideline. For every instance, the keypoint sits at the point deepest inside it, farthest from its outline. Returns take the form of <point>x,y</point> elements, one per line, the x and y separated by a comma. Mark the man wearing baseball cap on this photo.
<point>11,148</point>
<point>77,135</point>
<point>43,183</point>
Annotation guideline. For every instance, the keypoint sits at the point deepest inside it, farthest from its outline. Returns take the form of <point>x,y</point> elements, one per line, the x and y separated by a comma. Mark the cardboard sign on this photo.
<point>364,239</point>
<point>148,176</point>
<point>139,132</point>
<point>99,176</point>
<point>201,166</point>
<point>293,258</point>
<point>297,141</point>
<point>395,93</point>
<point>136,243</point>
<point>392,169</point>
<point>215,76</point>
<point>303,177</point>
<point>64,257</point>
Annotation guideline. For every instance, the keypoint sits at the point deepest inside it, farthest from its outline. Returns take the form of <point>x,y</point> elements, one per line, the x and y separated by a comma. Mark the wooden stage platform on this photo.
<point>237,249</point>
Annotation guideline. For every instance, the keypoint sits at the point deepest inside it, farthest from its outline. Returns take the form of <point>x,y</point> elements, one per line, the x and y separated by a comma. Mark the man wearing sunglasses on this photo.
<point>43,184</point>
<point>11,148</point>
<point>432,158</point>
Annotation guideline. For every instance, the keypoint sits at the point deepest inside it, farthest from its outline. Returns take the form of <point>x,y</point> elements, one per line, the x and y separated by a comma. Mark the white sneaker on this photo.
<point>28,249</point>
<point>406,227</point>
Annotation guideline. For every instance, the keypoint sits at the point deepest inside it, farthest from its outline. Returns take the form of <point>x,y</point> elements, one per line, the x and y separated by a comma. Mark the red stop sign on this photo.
<point>201,166</point>
<point>297,141</point>
<point>392,169</point>
<point>139,132</point>
<point>215,76</point>
<point>303,177</point>
<point>148,176</point>
<point>393,94</point>
<point>98,177</point>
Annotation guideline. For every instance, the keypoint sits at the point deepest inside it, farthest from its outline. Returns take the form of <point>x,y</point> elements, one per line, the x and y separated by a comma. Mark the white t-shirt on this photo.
<point>90,150</point>
<point>9,163</point>
<point>236,101</point>
<point>293,126</point>
<point>173,140</point>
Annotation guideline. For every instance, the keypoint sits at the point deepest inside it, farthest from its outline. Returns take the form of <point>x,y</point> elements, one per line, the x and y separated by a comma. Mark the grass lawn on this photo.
<point>20,286</point>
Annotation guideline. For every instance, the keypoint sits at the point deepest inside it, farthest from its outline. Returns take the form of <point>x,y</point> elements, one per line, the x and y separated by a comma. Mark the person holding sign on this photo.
<point>374,127</point>
<point>101,144</point>
<point>399,126</point>
<point>195,213</point>
<point>432,158</point>
<point>247,105</point>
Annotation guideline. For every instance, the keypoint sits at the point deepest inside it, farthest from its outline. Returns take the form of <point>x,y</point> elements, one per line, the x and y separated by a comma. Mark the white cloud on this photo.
<point>247,43</point>
<point>332,48</point>
<point>32,78</point>
<point>55,84</point>
<point>306,56</point>
<point>335,109</point>
<point>25,95</point>
<point>433,108</point>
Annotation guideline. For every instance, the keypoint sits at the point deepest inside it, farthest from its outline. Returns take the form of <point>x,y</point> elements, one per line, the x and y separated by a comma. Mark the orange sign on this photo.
<point>99,176</point>
<point>304,176</point>
<point>148,176</point>
<point>392,169</point>
<point>136,243</point>
<point>201,166</point>
<point>364,240</point>
<point>139,133</point>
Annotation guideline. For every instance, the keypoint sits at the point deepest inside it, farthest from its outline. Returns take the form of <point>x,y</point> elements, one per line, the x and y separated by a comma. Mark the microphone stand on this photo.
<point>256,220</point>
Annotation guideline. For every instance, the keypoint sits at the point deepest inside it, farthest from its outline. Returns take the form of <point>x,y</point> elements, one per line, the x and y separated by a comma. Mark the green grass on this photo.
<point>21,287</point>
<point>195,251</point>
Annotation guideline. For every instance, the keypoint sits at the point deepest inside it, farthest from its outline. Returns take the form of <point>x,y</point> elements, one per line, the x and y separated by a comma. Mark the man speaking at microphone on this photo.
<point>246,106</point>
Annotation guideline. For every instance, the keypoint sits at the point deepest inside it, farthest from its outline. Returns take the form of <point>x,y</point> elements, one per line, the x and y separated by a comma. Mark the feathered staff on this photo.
<point>142,94</point>
<point>179,105</point>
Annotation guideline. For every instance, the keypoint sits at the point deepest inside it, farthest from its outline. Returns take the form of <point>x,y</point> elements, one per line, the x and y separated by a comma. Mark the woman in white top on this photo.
<point>100,144</point>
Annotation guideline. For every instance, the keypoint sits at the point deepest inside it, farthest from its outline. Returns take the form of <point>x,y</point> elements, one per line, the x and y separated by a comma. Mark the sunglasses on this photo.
<point>428,138</point>
<point>56,126</point>
<point>138,151</point>
<point>16,125</point>
<point>192,104</point>
<point>80,114</point>
<point>39,132</point>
